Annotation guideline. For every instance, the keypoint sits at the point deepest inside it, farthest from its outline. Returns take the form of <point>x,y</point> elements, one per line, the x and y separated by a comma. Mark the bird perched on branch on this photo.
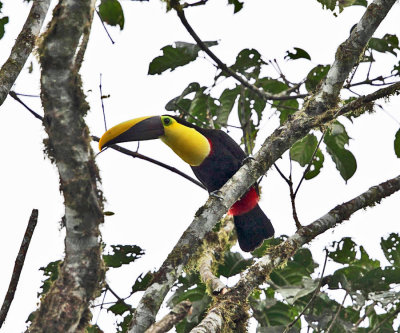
<point>214,158</point>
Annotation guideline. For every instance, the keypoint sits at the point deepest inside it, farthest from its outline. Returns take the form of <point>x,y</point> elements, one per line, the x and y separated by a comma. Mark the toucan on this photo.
<point>214,158</point>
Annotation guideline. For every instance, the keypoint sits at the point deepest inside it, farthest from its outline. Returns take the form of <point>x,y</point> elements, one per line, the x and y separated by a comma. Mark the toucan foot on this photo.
<point>247,159</point>
<point>216,194</point>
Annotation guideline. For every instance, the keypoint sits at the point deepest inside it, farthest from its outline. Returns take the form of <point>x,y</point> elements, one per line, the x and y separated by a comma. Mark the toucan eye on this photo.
<point>167,121</point>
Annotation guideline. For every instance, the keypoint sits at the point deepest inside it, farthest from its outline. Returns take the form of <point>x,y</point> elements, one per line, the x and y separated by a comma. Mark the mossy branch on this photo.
<point>318,110</point>
<point>65,308</point>
<point>23,46</point>
<point>278,256</point>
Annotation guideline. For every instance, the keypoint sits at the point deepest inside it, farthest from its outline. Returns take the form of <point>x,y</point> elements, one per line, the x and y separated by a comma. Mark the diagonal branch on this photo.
<point>151,160</point>
<point>23,47</point>
<point>19,263</point>
<point>119,148</point>
<point>177,314</point>
<point>259,92</point>
<point>319,110</point>
<point>259,272</point>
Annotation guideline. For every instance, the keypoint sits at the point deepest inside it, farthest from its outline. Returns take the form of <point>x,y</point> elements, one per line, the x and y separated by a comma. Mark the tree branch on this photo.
<point>213,251</point>
<point>119,148</point>
<point>23,46</point>
<point>151,160</point>
<point>259,92</point>
<point>348,55</point>
<point>319,110</point>
<point>19,263</point>
<point>259,272</point>
<point>65,308</point>
<point>178,312</point>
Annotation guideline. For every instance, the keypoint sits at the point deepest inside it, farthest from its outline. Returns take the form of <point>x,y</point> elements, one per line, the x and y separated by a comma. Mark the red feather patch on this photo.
<point>245,203</point>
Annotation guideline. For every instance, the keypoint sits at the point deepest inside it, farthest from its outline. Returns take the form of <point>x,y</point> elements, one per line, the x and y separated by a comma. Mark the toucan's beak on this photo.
<point>139,129</point>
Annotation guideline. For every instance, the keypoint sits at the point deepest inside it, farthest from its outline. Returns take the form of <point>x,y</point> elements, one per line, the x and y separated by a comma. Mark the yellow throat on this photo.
<point>190,145</point>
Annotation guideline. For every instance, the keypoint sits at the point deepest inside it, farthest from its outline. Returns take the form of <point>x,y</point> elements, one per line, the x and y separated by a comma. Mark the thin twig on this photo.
<point>311,301</point>
<point>151,160</point>
<point>104,26</point>
<point>198,3</point>
<point>262,94</point>
<point>19,263</point>
<point>292,196</point>
<point>366,314</point>
<point>293,201</point>
<point>337,314</point>
<point>121,149</point>
<point>119,299</point>
<point>102,104</point>
<point>392,315</point>
<point>36,115</point>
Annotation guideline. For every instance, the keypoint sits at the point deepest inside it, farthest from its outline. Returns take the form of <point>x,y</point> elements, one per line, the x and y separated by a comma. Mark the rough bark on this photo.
<point>23,47</point>
<point>173,317</point>
<point>320,109</point>
<point>259,272</point>
<point>65,308</point>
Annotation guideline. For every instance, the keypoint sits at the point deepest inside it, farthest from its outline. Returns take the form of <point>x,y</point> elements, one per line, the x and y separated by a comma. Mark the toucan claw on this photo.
<point>216,195</point>
<point>247,159</point>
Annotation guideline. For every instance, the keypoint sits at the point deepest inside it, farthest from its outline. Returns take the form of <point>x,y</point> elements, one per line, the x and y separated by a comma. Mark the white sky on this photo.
<point>153,206</point>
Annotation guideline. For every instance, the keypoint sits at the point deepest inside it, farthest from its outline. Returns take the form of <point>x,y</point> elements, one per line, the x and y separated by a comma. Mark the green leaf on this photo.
<point>389,43</point>
<point>299,54</point>
<point>227,100</point>
<point>345,252</point>
<point>391,248</point>
<point>292,293</point>
<point>272,86</point>
<point>237,5</point>
<point>123,255</point>
<point>331,4</point>
<point>233,264</point>
<point>270,312</point>
<point>123,326</point>
<point>203,108</point>
<point>3,22</point>
<point>107,213</point>
<point>328,4</point>
<point>385,297</point>
<point>335,139</point>
<point>119,308</point>
<point>315,76</point>
<point>303,149</point>
<point>180,103</point>
<point>345,278</point>
<point>316,165</point>
<point>397,144</point>
<point>51,271</point>
<point>248,63</point>
<point>142,283</point>
<point>302,152</point>
<point>396,69</point>
<point>179,54</point>
<point>111,12</point>
<point>301,265</point>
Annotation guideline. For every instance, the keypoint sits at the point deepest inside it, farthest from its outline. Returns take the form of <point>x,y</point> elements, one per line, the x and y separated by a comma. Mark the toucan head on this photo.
<point>187,142</point>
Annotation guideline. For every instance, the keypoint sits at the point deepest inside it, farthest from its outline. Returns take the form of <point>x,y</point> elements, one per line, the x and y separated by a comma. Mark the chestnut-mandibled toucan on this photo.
<point>214,158</point>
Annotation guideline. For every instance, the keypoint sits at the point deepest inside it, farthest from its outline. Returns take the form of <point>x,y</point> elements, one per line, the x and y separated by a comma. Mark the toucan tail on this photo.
<point>252,228</point>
